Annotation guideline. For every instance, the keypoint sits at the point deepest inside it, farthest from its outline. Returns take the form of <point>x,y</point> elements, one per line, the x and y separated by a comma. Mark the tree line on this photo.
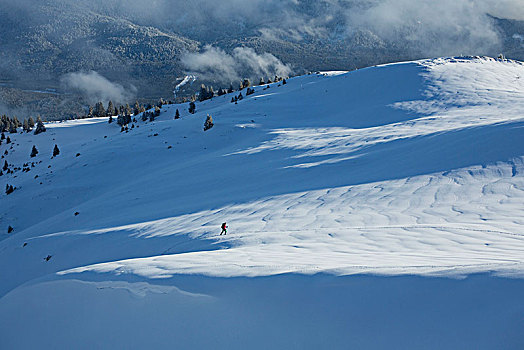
<point>207,92</point>
<point>11,125</point>
<point>123,113</point>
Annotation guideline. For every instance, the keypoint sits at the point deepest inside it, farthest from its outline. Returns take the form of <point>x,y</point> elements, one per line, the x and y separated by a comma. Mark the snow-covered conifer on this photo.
<point>12,127</point>
<point>100,111</point>
<point>39,126</point>
<point>208,124</point>
<point>110,109</point>
<point>34,152</point>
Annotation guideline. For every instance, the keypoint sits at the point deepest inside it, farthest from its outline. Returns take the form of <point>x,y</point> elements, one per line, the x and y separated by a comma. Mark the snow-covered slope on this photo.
<point>406,169</point>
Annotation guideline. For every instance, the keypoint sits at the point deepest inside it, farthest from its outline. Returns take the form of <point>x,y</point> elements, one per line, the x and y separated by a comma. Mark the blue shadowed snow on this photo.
<point>328,184</point>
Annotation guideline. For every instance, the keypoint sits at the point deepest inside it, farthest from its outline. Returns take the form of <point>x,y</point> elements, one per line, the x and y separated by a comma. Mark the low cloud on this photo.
<point>509,9</point>
<point>217,65</point>
<point>94,87</point>
<point>20,112</point>
<point>429,28</point>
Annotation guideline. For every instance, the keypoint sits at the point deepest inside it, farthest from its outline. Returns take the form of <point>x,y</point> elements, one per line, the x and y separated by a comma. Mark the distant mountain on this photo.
<point>52,38</point>
<point>138,45</point>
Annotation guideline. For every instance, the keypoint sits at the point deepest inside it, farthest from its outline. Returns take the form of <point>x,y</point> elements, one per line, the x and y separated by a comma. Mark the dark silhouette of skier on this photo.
<point>224,229</point>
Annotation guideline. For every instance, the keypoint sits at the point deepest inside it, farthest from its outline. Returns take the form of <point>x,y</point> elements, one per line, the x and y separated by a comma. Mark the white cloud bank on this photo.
<point>215,64</point>
<point>94,87</point>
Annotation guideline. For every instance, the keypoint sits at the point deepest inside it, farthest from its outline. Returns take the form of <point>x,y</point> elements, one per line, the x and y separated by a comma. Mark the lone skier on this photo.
<point>224,229</point>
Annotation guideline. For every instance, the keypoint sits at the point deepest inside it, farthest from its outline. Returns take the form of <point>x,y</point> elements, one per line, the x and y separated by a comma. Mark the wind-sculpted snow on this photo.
<point>405,169</point>
<point>459,88</point>
<point>457,97</point>
<point>453,224</point>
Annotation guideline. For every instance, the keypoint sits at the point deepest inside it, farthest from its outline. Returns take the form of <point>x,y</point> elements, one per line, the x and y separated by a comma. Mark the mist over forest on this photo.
<point>58,56</point>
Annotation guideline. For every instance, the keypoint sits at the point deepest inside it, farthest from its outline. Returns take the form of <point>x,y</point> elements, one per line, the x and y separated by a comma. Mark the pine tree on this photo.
<point>230,90</point>
<point>208,124</point>
<point>12,127</point>
<point>26,126</point>
<point>284,82</point>
<point>177,114</point>
<point>16,122</point>
<point>110,109</point>
<point>8,140</point>
<point>34,152</point>
<point>202,93</point>
<point>39,126</point>
<point>56,151</point>
<point>31,122</point>
<point>136,109</point>
<point>110,119</point>
<point>6,166</point>
<point>261,82</point>
<point>100,111</point>
<point>192,107</point>
<point>9,189</point>
<point>206,93</point>
<point>120,120</point>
